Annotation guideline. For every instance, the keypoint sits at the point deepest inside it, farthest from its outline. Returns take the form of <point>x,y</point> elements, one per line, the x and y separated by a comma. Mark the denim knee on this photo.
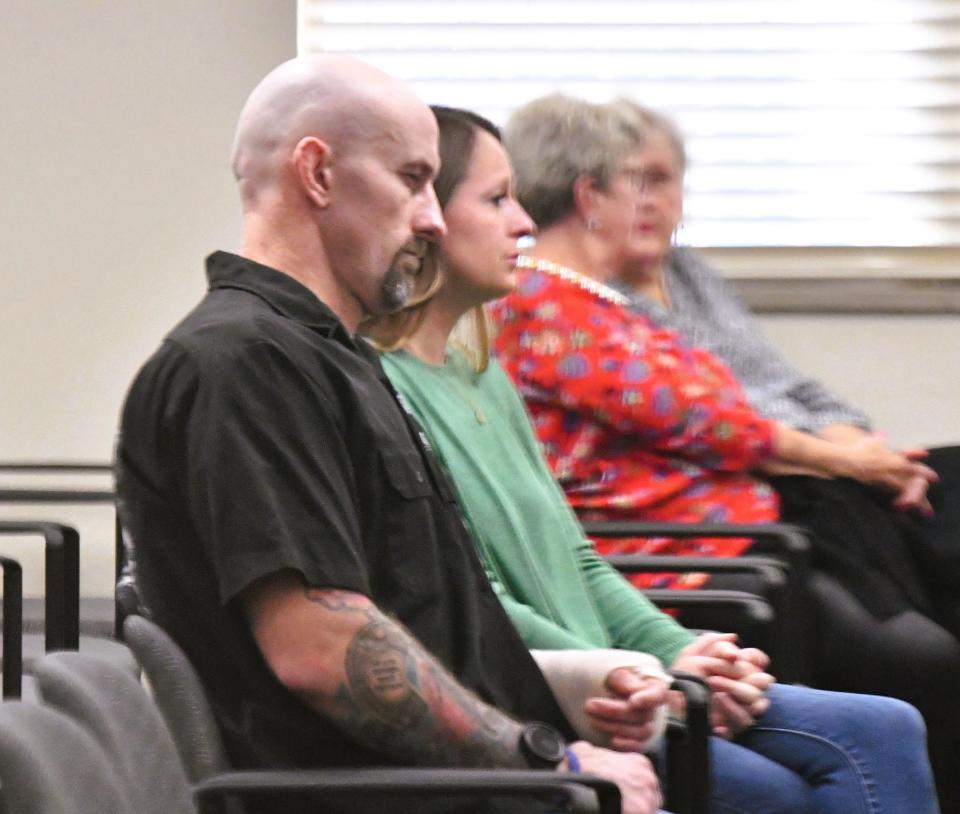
<point>890,720</point>
<point>747,782</point>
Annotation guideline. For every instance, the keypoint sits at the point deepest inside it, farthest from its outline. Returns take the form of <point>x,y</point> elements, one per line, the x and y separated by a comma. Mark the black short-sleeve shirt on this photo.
<point>259,437</point>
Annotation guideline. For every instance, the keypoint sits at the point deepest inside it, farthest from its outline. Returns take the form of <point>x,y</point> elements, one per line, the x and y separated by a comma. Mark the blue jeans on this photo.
<point>826,752</point>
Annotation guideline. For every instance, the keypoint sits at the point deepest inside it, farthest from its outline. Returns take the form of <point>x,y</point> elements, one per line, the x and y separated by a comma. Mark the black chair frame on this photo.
<point>62,578</point>
<point>779,557</point>
<point>50,496</point>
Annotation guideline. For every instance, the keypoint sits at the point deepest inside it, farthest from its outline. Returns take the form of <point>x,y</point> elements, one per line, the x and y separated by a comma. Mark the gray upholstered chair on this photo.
<point>180,696</point>
<point>49,764</point>
<point>116,709</point>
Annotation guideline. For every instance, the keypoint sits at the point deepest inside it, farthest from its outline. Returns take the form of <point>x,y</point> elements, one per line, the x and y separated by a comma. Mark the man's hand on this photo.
<point>736,676</point>
<point>633,773</point>
<point>629,717</point>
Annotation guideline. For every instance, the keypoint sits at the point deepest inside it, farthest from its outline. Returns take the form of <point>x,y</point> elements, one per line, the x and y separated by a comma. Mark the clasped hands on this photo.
<point>627,714</point>
<point>736,676</point>
<point>628,717</point>
<point>901,472</point>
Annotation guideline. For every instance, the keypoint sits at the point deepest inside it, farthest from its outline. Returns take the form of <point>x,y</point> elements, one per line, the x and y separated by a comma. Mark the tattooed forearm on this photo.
<point>381,676</point>
<point>398,699</point>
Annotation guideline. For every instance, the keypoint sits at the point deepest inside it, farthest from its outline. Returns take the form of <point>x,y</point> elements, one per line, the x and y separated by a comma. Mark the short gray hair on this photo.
<point>555,139</point>
<point>654,122</point>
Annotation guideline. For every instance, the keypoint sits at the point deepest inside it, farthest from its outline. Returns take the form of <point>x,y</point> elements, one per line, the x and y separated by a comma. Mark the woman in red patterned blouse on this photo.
<point>635,423</point>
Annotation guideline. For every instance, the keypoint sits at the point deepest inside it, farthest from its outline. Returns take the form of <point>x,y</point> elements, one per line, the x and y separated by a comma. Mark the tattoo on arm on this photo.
<point>399,700</point>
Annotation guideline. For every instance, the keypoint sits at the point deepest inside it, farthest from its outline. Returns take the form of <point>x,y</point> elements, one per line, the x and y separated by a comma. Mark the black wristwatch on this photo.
<point>542,746</point>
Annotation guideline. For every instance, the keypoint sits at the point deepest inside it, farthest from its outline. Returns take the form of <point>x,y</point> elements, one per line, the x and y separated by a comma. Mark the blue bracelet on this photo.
<point>573,762</point>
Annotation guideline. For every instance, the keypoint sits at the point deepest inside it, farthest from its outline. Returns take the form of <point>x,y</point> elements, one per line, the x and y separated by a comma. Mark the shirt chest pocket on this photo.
<point>406,473</point>
<point>412,508</point>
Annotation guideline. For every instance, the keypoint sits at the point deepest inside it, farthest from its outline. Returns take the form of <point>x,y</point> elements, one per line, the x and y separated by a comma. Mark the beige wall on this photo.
<point>116,123</point>
<point>903,370</point>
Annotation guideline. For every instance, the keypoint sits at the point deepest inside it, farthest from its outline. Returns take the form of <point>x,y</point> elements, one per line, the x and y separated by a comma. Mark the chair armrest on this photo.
<point>688,780</point>
<point>782,540</point>
<point>397,782</point>
<point>62,592</point>
<point>754,609</point>
<point>12,627</point>
<point>748,615</point>
<point>789,536</point>
<point>772,572</point>
<point>772,575</point>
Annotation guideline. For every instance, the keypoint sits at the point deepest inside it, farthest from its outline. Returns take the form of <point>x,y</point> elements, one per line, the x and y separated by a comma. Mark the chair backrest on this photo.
<point>181,697</point>
<point>115,709</point>
<point>50,765</point>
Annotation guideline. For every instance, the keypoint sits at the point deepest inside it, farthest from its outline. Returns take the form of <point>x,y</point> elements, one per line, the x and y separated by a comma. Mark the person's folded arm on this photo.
<point>362,670</point>
<point>868,460</point>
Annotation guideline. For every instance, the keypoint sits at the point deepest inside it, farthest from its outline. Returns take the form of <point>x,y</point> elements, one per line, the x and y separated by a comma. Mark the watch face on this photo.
<point>543,744</point>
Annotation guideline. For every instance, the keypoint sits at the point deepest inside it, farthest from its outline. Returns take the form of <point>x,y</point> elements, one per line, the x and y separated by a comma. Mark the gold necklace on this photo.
<point>463,389</point>
<point>595,287</point>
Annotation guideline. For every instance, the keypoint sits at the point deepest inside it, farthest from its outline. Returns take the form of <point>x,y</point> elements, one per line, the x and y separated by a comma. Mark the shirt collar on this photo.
<point>280,291</point>
<point>645,305</point>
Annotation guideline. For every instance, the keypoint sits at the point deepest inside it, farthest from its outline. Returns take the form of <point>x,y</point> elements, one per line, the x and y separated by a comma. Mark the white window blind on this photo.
<point>809,122</point>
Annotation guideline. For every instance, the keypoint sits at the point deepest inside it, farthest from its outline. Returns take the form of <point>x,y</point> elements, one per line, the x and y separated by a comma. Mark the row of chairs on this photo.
<point>686,774</point>
<point>98,742</point>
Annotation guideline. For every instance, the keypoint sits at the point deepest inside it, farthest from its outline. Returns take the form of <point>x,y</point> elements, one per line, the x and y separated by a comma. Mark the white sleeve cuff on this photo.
<point>577,675</point>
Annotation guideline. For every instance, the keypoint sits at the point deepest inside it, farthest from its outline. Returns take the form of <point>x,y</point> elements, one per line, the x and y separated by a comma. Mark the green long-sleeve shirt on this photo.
<point>559,593</point>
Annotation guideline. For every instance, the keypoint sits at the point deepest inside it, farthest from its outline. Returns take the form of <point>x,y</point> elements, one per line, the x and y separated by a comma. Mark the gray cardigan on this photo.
<point>707,312</point>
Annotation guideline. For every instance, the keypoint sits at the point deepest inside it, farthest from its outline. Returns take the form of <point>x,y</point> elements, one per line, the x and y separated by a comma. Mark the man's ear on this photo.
<point>312,160</point>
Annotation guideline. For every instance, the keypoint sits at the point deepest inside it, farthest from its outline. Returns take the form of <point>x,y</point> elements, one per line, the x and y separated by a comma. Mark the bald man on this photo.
<point>287,521</point>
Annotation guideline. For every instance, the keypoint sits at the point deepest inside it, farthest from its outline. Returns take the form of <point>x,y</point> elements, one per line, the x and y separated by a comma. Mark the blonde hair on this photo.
<point>471,336</point>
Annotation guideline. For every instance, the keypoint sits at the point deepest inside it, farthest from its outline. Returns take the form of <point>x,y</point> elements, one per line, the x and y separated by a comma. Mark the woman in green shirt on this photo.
<point>779,748</point>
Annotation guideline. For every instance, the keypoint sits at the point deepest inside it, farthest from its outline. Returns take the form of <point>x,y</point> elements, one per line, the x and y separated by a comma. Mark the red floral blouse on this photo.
<point>636,424</point>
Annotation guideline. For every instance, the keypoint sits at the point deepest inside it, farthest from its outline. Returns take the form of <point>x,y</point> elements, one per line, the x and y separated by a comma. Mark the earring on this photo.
<point>592,224</point>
